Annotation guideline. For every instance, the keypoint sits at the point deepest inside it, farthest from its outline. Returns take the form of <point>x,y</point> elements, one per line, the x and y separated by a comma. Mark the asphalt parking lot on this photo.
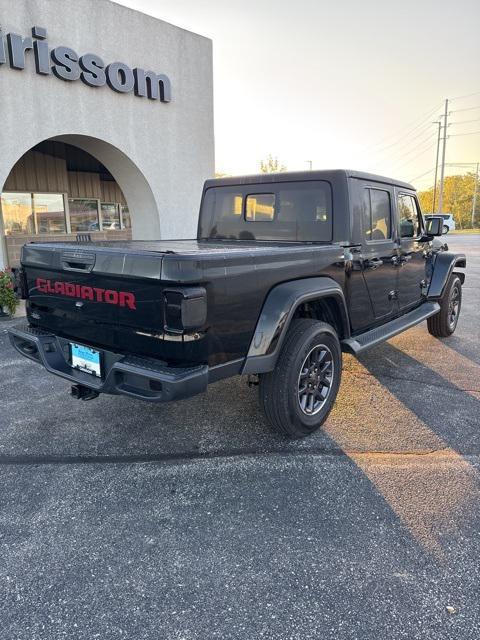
<point>189,521</point>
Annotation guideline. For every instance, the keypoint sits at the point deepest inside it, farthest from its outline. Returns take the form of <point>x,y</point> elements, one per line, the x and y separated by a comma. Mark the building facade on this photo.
<point>106,124</point>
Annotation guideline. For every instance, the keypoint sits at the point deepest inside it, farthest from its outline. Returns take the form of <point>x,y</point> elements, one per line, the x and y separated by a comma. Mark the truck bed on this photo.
<point>84,291</point>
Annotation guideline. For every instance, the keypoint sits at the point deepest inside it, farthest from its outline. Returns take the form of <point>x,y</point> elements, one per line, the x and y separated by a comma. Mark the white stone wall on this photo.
<point>159,153</point>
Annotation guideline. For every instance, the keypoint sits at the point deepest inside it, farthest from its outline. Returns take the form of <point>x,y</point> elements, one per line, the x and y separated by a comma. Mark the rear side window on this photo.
<point>377,214</point>
<point>295,211</point>
<point>408,215</point>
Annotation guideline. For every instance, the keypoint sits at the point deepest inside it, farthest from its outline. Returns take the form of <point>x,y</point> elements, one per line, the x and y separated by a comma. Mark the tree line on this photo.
<point>457,199</point>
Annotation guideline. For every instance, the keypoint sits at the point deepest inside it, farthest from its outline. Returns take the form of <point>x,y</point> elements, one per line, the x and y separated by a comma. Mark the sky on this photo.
<point>344,84</point>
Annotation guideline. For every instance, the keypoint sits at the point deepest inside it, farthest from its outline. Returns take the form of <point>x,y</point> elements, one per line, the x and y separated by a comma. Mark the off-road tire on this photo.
<point>280,390</point>
<point>442,324</point>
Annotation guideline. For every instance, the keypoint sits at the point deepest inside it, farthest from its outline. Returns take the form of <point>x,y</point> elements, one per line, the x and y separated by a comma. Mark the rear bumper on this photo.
<point>142,378</point>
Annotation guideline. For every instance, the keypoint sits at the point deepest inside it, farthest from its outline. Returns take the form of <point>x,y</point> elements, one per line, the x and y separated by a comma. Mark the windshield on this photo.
<point>295,211</point>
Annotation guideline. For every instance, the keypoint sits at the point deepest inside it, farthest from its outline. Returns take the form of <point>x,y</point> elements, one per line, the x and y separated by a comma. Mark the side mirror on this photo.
<point>434,226</point>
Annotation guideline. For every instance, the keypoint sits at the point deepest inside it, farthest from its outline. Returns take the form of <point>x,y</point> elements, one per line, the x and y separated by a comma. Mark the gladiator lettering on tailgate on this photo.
<point>71,290</point>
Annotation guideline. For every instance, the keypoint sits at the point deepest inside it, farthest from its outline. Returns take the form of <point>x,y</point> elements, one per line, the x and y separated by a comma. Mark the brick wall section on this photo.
<point>15,243</point>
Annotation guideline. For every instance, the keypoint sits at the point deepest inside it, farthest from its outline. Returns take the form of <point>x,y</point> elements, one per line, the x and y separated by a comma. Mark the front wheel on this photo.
<point>445,229</point>
<point>444,323</point>
<point>299,393</point>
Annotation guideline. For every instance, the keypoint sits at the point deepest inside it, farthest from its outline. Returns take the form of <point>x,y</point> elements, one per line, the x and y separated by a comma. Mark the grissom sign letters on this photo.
<point>89,68</point>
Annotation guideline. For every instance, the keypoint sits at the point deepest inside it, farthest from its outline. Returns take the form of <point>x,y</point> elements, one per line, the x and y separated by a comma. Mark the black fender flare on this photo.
<point>443,267</point>
<point>277,312</point>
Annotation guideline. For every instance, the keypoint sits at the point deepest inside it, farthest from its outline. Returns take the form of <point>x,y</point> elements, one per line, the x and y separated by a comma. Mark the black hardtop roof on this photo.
<point>291,176</point>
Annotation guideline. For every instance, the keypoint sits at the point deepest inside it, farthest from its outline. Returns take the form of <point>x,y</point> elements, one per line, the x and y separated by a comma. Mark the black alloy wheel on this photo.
<point>444,323</point>
<point>299,393</point>
<point>315,379</point>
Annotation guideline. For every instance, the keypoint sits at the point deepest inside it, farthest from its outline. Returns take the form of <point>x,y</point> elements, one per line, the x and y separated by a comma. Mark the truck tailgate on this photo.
<point>103,296</point>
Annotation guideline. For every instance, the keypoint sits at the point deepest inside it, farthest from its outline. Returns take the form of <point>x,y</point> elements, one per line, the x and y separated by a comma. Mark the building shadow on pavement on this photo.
<point>450,411</point>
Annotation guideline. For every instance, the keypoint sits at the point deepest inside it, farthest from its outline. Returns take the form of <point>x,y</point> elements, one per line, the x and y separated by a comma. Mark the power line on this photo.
<point>415,157</point>
<point>469,95</point>
<point>447,164</point>
<point>460,164</point>
<point>466,121</point>
<point>404,132</point>
<point>412,149</point>
<point>469,133</point>
<point>407,141</point>
<point>421,175</point>
<point>466,109</point>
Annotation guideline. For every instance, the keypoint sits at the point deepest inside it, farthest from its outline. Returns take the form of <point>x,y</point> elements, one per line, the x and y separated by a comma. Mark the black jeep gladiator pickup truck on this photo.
<point>288,270</point>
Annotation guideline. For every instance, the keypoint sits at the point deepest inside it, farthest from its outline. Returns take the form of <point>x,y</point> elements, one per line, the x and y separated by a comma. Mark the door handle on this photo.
<point>397,261</point>
<point>374,263</point>
<point>78,261</point>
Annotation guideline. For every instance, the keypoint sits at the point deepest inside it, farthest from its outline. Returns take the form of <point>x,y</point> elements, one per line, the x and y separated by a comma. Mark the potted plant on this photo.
<point>8,299</point>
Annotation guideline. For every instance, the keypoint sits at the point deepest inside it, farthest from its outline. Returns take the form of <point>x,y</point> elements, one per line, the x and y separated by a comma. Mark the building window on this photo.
<point>83,215</point>
<point>110,216</point>
<point>45,213</point>
<point>17,214</point>
<point>49,210</point>
<point>126,221</point>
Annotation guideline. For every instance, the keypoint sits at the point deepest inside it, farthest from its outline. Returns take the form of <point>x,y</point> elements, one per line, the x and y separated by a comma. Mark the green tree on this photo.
<point>457,199</point>
<point>271,165</point>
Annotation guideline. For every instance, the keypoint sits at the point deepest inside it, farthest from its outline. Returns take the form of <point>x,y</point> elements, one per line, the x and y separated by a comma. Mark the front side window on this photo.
<point>83,215</point>
<point>377,214</point>
<point>408,216</point>
<point>49,210</point>
<point>17,213</point>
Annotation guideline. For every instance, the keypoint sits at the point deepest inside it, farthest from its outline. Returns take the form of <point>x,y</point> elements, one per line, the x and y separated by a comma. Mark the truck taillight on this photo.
<point>185,309</point>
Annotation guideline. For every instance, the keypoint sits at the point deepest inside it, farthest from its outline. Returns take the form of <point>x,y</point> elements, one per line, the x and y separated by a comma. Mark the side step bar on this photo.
<point>375,336</point>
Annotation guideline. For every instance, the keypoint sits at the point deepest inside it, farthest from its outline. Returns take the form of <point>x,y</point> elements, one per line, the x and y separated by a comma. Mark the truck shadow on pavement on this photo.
<point>443,395</point>
<point>399,423</point>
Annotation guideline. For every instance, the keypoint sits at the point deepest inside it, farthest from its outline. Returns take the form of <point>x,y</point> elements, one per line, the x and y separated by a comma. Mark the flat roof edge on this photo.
<point>165,22</point>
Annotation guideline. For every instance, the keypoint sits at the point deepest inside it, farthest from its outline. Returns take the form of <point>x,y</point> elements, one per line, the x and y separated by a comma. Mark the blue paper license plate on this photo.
<point>85,359</point>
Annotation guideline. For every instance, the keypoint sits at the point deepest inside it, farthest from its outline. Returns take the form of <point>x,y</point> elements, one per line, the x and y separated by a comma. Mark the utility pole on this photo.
<point>439,122</point>
<point>442,170</point>
<point>474,203</point>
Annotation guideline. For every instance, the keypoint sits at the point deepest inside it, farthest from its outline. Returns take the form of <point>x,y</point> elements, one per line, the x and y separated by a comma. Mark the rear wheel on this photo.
<point>444,323</point>
<point>299,394</point>
<point>445,229</point>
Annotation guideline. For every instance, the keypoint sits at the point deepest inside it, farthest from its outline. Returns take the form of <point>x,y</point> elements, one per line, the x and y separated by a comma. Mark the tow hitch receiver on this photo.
<point>83,393</point>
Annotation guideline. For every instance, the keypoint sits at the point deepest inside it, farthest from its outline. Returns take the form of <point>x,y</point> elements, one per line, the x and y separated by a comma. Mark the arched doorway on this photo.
<point>74,184</point>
